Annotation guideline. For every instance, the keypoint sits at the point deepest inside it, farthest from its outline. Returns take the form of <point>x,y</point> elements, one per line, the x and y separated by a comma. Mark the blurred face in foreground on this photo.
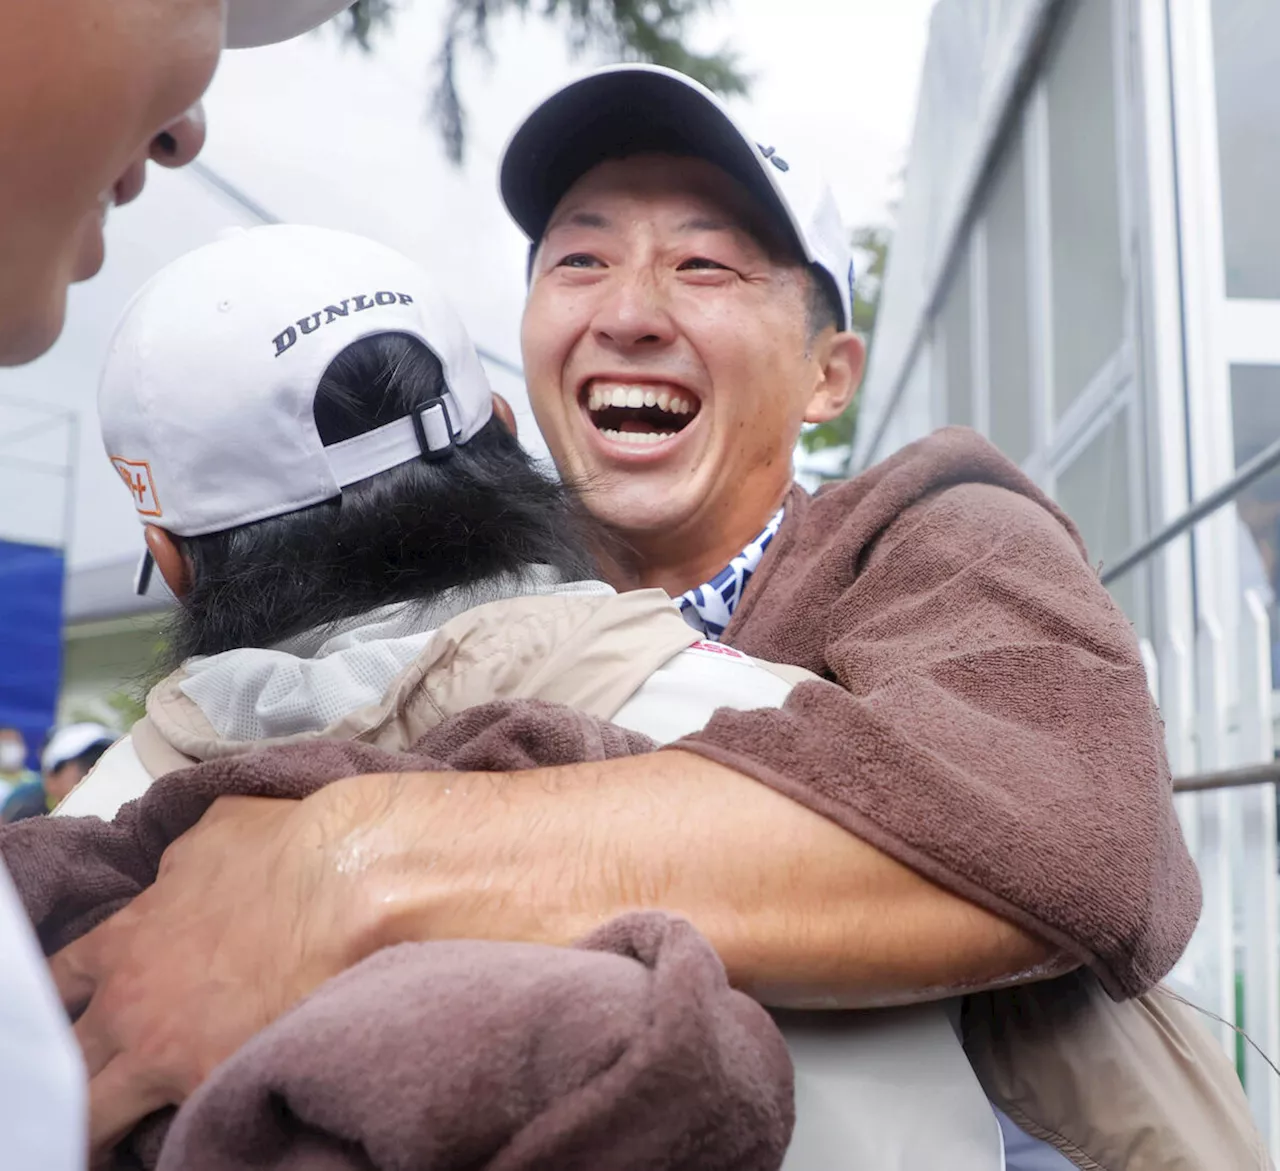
<point>89,90</point>
<point>670,359</point>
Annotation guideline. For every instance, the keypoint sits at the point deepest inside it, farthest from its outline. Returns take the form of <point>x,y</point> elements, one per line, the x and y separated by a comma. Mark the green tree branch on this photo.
<point>652,31</point>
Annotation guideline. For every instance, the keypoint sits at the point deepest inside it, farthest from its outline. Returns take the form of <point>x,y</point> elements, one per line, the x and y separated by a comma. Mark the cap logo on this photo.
<point>772,155</point>
<point>288,338</point>
<point>136,475</point>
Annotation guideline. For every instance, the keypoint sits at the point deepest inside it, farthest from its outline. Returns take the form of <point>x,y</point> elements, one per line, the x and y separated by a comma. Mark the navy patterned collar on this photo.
<point>708,607</point>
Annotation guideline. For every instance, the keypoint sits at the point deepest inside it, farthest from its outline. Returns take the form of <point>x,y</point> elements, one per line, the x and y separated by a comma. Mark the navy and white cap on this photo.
<point>251,23</point>
<point>623,110</point>
<point>208,391</point>
<point>73,741</point>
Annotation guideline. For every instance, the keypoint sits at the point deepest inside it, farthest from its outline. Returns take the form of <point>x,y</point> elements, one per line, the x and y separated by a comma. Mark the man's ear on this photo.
<point>843,360</point>
<point>171,561</point>
<point>503,410</point>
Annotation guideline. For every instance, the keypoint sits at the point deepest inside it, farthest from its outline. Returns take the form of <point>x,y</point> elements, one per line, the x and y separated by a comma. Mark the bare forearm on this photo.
<point>801,911</point>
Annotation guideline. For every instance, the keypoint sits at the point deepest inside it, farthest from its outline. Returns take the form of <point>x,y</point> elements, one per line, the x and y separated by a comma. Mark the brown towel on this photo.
<point>630,1051</point>
<point>993,729</point>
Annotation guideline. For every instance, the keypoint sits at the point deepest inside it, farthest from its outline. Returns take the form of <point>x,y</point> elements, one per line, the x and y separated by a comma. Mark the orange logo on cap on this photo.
<point>136,475</point>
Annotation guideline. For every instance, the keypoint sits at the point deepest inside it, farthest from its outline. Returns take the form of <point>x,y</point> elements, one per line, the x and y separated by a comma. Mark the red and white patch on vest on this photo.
<point>136,474</point>
<point>715,648</point>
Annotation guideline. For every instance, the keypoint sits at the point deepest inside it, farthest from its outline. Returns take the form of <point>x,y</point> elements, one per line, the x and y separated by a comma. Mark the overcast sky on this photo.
<point>319,133</point>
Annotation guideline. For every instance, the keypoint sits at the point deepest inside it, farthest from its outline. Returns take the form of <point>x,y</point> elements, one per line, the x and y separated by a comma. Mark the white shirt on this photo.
<point>43,1086</point>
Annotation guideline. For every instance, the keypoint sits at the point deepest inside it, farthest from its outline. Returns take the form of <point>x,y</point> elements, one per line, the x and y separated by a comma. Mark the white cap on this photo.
<point>623,110</point>
<point>207,398</point>
<point>72,741</point>
<point>251,23</point>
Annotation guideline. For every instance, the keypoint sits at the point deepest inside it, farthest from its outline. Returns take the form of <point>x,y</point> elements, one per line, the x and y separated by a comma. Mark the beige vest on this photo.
<point>1136,1085</point>
<point>589,652</point>
<point>1133,1086</point>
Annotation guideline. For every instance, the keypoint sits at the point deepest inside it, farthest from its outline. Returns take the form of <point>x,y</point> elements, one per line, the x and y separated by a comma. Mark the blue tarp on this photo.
<point>30,639</point>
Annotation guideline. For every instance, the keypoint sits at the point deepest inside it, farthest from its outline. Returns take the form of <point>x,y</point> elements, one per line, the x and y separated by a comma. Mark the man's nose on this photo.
<point>179,142</point>
<point>634,314</point>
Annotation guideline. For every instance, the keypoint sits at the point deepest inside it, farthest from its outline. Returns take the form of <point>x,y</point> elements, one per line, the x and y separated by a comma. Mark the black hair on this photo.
<point>89,757</point>
<point>405,534</point>
<point>823,308</point>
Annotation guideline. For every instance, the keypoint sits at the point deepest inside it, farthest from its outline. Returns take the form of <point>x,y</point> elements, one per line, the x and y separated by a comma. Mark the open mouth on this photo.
<point>639,415</point>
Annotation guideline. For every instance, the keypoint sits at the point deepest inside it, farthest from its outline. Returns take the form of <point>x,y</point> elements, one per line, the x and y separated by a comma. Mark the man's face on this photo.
<point>666,348</point>
<point>59,783</point>
<point>85,88</point>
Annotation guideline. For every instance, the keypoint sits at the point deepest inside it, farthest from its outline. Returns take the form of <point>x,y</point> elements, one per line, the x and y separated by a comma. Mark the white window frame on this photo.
<point>1219,332</point>
<point>979,333</point>
<point>1122,402</point>
<point>1119,368</point>
<point>1158,347</point>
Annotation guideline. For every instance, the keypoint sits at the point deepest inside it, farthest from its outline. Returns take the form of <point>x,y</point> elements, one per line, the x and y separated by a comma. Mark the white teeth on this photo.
<point>636,438</point>
<point>633,398</point>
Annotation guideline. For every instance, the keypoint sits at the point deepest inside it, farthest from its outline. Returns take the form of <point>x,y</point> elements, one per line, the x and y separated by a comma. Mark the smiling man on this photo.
<point>982,801</point>
<point>660,299</point>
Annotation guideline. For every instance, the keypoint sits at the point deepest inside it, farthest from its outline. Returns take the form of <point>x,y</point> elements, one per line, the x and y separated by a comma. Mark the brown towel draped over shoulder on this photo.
<point>629,1052</point>
<point>993,729</point>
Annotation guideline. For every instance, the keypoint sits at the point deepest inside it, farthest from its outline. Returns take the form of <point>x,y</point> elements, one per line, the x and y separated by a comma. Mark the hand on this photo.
<point>248,914</point>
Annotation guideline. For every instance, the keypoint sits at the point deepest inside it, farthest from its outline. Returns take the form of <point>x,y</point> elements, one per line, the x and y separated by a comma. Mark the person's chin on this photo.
<point>25,338</point>
<point>636,493</point>
<point>636,507</point>
<point>91,249</point>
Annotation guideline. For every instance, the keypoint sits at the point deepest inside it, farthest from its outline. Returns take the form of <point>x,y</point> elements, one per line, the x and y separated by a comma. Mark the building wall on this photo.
<point>1027,316</point>
<point>1096,288</point>
<point>1086,269</point>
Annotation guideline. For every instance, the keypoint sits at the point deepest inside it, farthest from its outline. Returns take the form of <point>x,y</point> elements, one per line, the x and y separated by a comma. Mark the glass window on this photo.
<point>1008,349</point>
<point>1095,491</point>
<point>957,345</point>
<point>1086,277</point>
<point>1246,50</point>
<point>1255,423</point>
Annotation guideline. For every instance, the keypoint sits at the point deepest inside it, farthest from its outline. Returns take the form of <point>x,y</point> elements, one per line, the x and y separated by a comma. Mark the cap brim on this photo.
<point>253,23</point>
<point>620,112</point>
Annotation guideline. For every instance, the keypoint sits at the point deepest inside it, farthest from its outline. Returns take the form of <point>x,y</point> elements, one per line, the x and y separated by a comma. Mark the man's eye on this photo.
<point>580,260</point>
<point>701,262</point>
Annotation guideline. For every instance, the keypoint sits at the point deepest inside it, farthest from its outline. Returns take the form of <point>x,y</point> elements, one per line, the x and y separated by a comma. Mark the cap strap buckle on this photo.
<point>142,575</point>
<point>430,432</point>
<point>435,427</point>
